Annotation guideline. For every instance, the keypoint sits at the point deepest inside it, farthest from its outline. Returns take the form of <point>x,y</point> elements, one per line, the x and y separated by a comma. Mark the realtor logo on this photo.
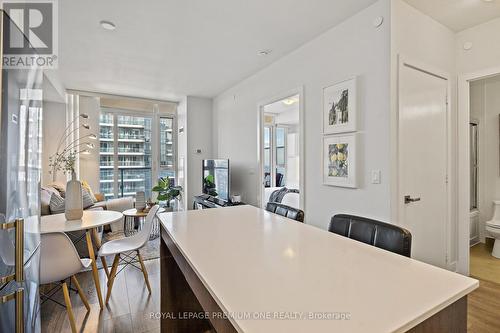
<point>30,34</point>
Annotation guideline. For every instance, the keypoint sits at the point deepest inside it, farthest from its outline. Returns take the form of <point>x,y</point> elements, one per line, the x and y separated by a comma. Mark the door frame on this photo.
<point>463,160</point>
<point>451,199</point>
<point>260,137</point>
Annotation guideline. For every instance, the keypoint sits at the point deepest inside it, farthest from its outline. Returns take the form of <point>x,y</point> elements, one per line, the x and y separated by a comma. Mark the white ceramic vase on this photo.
<point>73,203</point>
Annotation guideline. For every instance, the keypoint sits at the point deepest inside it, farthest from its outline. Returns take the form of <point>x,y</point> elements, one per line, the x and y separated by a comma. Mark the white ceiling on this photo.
<point>458,15</point>
<point>280,107</point>
<point>167,48</point>
<point>284,114</point>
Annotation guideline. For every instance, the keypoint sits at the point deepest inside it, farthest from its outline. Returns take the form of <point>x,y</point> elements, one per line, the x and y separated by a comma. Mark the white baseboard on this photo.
<point>474,241</point>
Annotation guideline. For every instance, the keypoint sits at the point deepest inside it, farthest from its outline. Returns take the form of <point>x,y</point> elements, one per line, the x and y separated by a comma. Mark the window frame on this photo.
<point>174,145</point>
<point>155,115</point>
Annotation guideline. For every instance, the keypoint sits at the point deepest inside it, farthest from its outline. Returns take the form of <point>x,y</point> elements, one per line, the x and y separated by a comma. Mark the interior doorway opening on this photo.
<point>484,157</point>
<point>280,151</point>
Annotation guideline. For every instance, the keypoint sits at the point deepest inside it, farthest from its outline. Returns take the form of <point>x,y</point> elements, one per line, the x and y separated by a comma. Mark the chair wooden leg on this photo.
<point>80,292</point>
<point>69,309</point>
<point>144,271</point>
<point>112,276</point>
<point>98,244</point>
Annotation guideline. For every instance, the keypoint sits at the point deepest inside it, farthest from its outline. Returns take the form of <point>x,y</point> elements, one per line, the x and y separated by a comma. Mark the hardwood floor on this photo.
<point>484,308</point>
<point>129,308</point>
<point>483,264</point>
<point>484,303</point>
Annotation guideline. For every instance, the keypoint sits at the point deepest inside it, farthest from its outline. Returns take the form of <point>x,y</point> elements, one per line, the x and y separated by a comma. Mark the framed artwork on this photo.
<point>339,160</point>
<point>339,107</point>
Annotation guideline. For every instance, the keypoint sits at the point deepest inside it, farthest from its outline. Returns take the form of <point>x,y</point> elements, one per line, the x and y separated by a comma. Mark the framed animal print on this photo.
<point>340,107</point>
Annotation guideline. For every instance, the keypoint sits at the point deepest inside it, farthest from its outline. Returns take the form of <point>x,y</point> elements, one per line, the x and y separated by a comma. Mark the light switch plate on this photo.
<point>376,176</point>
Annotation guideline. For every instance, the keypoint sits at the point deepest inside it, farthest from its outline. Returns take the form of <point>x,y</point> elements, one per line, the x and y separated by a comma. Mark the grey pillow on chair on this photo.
<point>87,199</point>
<point>56,204</point>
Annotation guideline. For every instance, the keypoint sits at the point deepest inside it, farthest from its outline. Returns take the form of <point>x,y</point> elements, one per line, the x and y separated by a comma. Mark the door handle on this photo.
<point>409,199</point>
<point>18,297</point>
<point>19,251</point>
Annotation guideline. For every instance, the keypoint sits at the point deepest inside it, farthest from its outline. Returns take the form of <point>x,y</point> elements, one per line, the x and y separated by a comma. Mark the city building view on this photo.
<point>126,153</point>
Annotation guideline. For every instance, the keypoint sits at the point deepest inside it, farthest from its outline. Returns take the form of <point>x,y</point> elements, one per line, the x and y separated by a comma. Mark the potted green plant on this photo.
<point>167,192</point>
<point>209,186</point>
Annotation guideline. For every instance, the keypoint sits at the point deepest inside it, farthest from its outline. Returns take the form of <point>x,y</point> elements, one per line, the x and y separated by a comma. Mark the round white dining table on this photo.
<point>90,221</point>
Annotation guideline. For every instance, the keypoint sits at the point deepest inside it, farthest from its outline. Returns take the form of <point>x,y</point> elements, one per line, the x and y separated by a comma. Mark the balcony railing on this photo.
<point>124,120</point>
<point>105,135</point>
<point>127,136</point>
<point>131,163</point>
<point>129,183</point>
<point>132,150</point>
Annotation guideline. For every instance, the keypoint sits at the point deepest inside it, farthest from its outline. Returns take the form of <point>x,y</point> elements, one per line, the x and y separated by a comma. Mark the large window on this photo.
<point>127,152</point>
<point>167,151</point>
<point>267,157</point>
<point>281,156</point>
<point>275,156</point>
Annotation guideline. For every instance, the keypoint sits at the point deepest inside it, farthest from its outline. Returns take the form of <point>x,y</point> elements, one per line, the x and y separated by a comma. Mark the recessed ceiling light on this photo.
<point>265,52</point>
<point>468,46</point>
<point>108,25</point>
<point>290,101</point>
<point>488,0</point>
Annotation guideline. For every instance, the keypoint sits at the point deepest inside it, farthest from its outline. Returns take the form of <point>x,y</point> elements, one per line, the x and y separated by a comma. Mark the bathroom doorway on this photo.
<point>281,150</point>
<point>484,158</point>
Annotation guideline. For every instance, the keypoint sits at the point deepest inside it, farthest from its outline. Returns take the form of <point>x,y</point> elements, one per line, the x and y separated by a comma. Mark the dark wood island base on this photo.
<point>183,294</point>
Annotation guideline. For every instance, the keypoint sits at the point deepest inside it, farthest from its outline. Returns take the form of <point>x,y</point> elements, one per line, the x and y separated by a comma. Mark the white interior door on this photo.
<point>423,160</point>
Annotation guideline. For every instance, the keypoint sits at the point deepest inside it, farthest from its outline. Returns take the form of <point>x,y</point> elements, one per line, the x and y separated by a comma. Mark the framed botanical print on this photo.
<point>339,107</point>
<point>339,160</point>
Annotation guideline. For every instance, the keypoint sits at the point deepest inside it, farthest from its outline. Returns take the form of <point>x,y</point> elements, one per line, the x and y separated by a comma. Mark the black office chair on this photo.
<point>383,235</point>
<point>286,211</point>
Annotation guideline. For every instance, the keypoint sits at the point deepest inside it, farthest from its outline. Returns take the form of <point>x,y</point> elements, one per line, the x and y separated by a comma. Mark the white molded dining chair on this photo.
<point>120,247</point>
<point>59,261</point>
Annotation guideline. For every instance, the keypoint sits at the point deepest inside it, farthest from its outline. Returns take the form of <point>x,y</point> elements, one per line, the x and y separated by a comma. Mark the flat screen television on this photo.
<point>216,179</point>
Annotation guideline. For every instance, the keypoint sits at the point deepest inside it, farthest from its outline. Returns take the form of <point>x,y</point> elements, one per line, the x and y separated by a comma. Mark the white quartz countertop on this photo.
<point>270,274</point>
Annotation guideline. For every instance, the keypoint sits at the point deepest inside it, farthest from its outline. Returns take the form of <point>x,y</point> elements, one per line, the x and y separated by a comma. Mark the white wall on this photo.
<point>353,48</point>
<point>182,150</point>
<point>293,159</point>
<point>423,40</point>
<point>53,123</point>
<point>485,52</point>
<point>89,164</point>
<point>198,137</point>
<point>485,107</point>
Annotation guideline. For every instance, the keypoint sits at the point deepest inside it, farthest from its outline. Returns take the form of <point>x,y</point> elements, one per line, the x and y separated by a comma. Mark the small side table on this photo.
<point>135,219</point>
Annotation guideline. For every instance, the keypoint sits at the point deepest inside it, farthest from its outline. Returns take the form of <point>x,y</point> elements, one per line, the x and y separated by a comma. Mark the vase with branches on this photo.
<point>64,159</point>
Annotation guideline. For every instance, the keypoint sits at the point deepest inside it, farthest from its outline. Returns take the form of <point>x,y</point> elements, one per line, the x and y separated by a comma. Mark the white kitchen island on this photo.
<point>242,269</point>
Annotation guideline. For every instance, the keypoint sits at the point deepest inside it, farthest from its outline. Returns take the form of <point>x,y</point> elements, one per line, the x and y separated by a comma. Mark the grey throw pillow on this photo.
<point>56,204</point>
<point>87,199</point>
